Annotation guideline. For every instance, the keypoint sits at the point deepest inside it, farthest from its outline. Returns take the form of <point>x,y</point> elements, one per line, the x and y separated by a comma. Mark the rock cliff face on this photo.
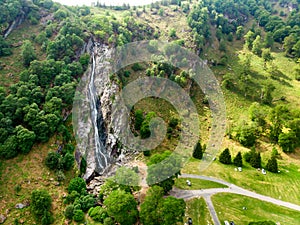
<point>97,138</point>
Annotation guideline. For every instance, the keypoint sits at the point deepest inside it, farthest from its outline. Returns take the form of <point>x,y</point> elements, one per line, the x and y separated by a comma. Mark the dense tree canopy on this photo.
<point>122,207</point>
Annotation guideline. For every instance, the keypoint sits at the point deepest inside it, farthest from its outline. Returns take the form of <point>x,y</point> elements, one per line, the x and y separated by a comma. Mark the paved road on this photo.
<point>207,193</point>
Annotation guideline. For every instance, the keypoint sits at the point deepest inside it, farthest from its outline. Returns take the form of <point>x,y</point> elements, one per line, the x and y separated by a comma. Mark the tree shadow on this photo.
<point>281,80</point>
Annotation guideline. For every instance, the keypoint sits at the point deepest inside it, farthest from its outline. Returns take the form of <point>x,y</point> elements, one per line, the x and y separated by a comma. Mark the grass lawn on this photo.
<point>196,184</point>
<point>274,185</point>
<point>198,211</point>
<point>230,207</point>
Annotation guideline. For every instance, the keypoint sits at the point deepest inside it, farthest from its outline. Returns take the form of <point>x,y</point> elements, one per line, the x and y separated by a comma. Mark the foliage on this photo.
<point>68,161</point>
<point>25,139</point>
<point>78,215</point>
<point>69,212</point>
<point>158,171</point>
<point>255,160</point>
<point>157,210</point>
<point>257,114</point>
<point>198,153</point>
<point>139,118</point>
<point>287,141</point>
<point>257,46</point>
<point>238,160</point>
<point>145,128</point>
<point>86,202</point>
<point>272,165</point>
<point>40,206</point>
<point>149,208</point>
<point>52,160</point>
<point>126,176</point>
<point>122,207</point>
<point>5,49</point>
<point>77,184</point>
<point>28,53</point>
<point>172,209</point>
<point>246,134</point>
<point>172,33</point>
<point>98,214</point>
<point>225,157</point>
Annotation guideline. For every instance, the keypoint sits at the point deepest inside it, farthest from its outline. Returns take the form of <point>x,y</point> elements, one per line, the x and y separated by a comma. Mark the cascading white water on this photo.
<point>101,155</point>
<point>96,137</point>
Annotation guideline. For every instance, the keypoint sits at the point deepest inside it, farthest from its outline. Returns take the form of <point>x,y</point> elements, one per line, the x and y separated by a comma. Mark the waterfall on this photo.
<point>96,137</point>
<point>100,134</point>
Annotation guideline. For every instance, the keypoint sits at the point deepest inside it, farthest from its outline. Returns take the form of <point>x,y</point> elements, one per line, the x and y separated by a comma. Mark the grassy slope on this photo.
<point>30,173</point>
<point>230,207</point>
<point>198,211</point>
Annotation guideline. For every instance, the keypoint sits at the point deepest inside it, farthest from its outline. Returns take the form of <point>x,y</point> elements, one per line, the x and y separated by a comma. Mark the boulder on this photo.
<point>20,206</point>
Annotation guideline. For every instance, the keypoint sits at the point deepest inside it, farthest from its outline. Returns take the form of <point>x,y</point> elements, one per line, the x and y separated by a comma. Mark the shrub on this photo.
<point>238,160</point>
<point>98,214</point>
<point>246,134</point>
<point>68,161</point>
<point>225,157</point>
<point>255,160</point>
<point>287,141</point>
<point>77,184</point>
<point>136,67</point>
<point>87,202</point>
<point>272,165</point>
<point>139,118</point>
<point>69,212</point>
<point>78,215</point>
<point>52,160</point>
<point>40,202</point>
<point>108,221</point>
<point>198,153</point>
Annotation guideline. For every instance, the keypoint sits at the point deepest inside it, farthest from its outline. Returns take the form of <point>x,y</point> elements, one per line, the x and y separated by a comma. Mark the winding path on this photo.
<point>207,193</point>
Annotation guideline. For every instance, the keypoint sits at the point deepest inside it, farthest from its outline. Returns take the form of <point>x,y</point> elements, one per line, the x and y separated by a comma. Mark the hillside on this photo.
<point>252,48</point>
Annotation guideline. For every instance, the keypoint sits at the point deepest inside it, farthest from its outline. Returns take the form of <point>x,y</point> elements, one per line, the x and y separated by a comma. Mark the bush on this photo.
<point>68,161</point>
<point>69,212</point>
<point>77,184</point>
<point>40,203</point>
<point>238,160</point>
<point>52,160</point>
<point>47,218</point>
<point>78,215</point>
<point>225,157</point>
<point>287,141</point>
<point>246,134</point>
<point>108,221</point>
<point>136,67</point>
<point>60,176</point>
<point>173,122</point>
<point>248,156</point>
<point>147,153</point>
<point>98,214</point>
<point>87,202</point>
<point>255,160</point>
<point>72,197</point>
<point>272,165</point>
<point>139,118</point>
<point>198,153</point>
